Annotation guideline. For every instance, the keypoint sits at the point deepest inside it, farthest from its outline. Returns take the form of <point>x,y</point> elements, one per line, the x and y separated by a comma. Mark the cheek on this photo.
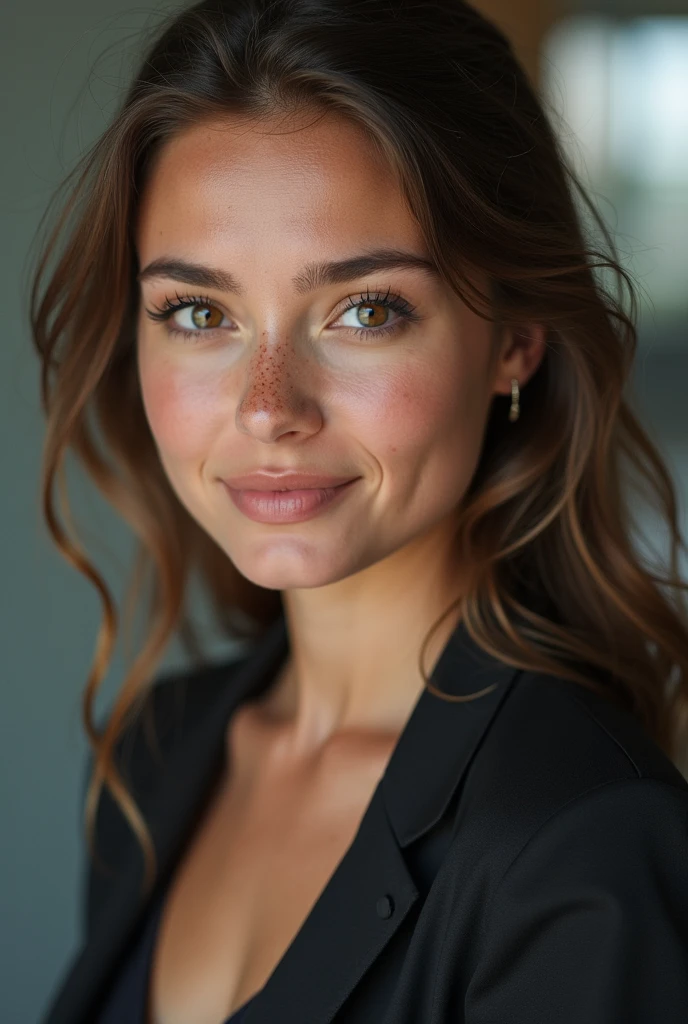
<point>179,409</point>
<point>424,424</point>
<point>411,410</point>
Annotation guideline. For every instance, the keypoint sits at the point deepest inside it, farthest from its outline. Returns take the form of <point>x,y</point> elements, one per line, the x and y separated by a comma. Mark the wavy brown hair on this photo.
<point>555,581</point>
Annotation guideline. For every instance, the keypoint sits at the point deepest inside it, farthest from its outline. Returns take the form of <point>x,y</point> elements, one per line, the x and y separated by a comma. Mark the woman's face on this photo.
<point>384,375</point>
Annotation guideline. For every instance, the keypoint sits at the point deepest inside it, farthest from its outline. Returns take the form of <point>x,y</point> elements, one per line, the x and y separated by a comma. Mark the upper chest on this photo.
<point>270,838</point>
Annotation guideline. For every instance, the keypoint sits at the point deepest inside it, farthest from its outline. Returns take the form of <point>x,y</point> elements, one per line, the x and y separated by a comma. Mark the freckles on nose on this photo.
<point>270,378</point>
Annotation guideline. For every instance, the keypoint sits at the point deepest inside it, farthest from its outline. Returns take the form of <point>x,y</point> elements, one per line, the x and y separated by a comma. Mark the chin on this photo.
<point>289,570</point>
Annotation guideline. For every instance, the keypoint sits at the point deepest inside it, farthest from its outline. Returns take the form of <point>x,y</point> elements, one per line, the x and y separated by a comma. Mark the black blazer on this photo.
<point>523,860</point>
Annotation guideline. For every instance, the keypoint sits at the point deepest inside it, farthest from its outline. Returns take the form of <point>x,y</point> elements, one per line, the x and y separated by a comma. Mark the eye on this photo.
<point>369,314</point>
<point>201,315</point>
<point>189,316</point>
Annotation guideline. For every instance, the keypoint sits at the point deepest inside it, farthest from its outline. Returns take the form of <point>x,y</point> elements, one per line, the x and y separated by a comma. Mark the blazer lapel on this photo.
<point>371,890</point>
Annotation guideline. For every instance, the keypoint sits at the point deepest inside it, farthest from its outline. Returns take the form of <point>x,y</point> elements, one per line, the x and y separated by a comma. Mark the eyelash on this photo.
<point>399,305</point>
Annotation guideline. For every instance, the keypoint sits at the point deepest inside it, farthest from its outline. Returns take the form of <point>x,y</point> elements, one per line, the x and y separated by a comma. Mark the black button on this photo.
<point>385,906</point>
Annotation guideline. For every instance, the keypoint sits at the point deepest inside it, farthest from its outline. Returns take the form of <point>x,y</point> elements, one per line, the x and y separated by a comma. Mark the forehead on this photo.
<point>270,187</point>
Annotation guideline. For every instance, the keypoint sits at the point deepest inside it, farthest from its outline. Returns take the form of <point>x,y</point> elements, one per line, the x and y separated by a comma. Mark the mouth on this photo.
<point>262,480</point>
<point>287,505</point>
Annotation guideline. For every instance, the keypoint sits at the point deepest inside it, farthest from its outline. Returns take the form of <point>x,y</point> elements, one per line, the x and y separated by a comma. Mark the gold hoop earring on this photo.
<point>514,410</point>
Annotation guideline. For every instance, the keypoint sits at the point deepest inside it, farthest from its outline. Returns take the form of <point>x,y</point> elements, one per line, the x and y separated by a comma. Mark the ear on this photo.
<point>521,352</point>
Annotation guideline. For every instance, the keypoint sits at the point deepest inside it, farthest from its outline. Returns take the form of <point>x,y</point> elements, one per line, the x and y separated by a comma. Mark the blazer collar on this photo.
<point>429,761</point>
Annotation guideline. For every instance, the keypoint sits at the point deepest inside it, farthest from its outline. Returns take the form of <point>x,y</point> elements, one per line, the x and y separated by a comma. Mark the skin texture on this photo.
<point>284,381</point>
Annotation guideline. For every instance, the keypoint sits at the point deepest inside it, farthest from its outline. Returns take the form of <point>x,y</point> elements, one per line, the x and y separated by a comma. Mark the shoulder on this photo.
<point>174,707</point>
<point>554,740</point>
<point>175,703</point>
<point>590,916</point>
<point>556,753</point>
<point>578,830</point>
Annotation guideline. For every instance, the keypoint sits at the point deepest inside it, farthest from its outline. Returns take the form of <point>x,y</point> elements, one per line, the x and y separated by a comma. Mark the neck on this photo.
<point>355,645</point>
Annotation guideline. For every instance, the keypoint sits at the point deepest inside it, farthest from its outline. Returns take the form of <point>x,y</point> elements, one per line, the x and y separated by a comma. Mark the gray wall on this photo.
<point>50,615</point>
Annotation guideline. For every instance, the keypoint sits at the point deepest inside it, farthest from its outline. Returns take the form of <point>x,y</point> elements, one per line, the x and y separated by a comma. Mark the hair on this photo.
<point>552,578</point>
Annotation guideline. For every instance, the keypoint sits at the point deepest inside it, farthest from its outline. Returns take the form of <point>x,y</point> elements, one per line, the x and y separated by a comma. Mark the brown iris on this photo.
<point>206,316</point>
<point>367,315</point>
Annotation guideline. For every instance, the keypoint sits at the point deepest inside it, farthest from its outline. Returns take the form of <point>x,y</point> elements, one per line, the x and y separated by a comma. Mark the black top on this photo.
<point>126,1000</point>
<point>561,895</point>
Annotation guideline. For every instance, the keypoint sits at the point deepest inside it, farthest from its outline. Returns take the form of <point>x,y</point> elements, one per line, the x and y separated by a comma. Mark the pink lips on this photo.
<point>284,506</point>
<point>280,480</point>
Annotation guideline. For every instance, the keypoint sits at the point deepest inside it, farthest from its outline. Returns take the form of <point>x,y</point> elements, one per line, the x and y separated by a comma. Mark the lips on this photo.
<point>294,505</point>
<point>261,481</point>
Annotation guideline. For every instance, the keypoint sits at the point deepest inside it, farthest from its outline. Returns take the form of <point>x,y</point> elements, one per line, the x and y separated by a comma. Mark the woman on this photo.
<point>326,296</point>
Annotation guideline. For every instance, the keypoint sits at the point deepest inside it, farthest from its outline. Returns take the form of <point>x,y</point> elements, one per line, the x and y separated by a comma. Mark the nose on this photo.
<point>279,394</point>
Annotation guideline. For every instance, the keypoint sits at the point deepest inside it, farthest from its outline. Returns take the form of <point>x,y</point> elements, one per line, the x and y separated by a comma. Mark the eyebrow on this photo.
<point>314,275</point>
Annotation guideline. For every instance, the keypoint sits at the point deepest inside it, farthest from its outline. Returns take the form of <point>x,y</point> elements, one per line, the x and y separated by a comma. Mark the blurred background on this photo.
<point>614,77</point>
